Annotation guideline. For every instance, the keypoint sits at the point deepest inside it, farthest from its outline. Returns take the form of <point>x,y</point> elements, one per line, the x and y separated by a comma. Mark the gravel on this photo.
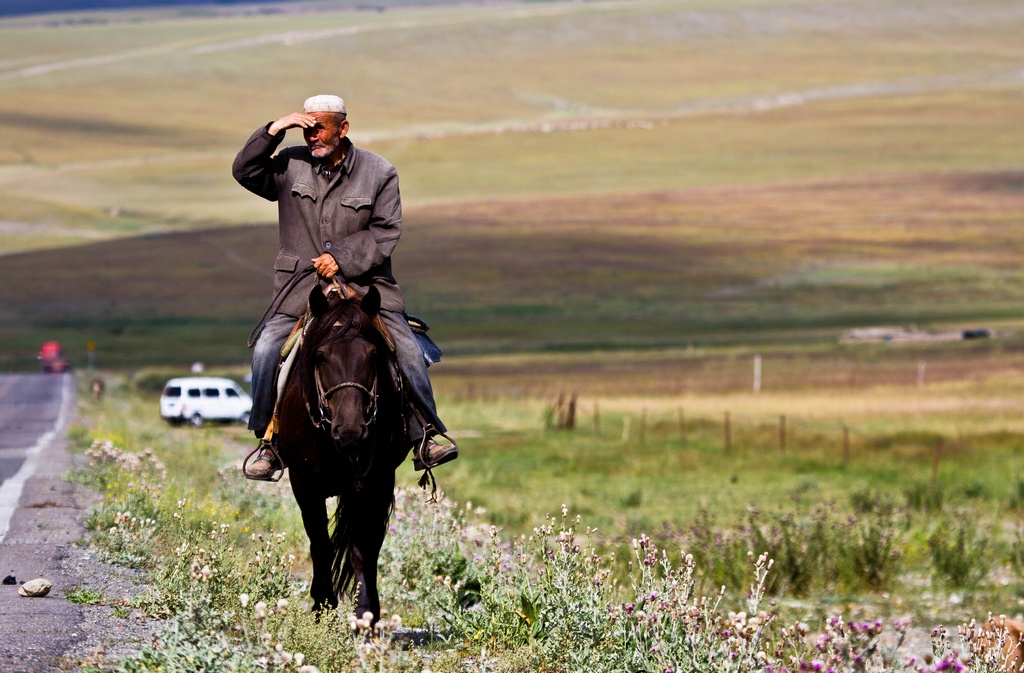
<point>110,630</point>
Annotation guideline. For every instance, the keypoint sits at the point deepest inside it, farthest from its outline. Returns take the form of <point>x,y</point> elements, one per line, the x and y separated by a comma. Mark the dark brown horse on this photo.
<point>342,433</point>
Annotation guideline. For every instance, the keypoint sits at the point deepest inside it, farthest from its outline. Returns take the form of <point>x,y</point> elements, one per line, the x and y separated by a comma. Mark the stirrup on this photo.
<point>428,435</point>
<point>276,464</point>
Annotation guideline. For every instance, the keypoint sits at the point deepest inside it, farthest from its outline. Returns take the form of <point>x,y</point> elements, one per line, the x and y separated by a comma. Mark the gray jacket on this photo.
<point>356,217</point>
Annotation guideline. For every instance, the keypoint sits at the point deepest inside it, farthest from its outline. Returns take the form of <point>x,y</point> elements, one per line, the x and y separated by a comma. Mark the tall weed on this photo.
<point>958,553</point>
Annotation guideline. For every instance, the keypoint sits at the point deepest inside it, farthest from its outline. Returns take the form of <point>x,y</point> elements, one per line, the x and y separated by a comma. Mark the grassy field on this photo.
<point>577,176</point>
<point>792,263</point>
<point>628,469</point>
<point>120,123</point>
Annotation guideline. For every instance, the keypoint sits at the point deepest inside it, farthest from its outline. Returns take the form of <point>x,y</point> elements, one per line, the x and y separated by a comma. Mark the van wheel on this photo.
<point>196,421</point>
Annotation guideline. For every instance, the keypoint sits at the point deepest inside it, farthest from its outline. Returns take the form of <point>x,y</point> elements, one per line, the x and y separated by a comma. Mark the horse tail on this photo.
<point>369,521</point>
<point>342,536</point>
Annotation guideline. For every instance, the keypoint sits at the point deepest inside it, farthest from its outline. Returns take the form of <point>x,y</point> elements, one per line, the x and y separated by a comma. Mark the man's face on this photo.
<point>324,139</point>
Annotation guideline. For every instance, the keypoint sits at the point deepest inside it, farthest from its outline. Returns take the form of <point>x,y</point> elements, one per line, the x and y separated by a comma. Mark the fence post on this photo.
<point>782,433</point>
<point>728,432</point>
<point>570,415</point>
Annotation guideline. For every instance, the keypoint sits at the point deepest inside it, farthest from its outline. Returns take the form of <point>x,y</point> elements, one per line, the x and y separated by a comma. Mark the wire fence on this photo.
<point>743,434</point>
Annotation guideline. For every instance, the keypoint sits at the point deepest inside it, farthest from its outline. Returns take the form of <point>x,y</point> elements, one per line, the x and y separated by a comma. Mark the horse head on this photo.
<point>349,364</point>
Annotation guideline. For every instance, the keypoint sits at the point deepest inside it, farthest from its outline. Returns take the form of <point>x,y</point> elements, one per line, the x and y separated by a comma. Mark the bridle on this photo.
<point>320,416</point>
<point>323,400</point>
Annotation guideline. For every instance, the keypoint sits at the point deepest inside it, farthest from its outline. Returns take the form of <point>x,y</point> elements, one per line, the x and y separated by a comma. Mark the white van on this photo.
<point>197,399</point>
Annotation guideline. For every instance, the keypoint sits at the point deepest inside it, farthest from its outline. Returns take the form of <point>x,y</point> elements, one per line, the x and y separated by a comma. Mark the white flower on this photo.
<point>299,658</point>
<point>309,669</point>
<point>244,600</point>
<point>282,605</point>
<point>261,610</point>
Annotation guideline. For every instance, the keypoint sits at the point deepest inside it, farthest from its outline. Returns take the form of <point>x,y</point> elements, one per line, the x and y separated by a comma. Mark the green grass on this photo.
<point>514,469</point>
<point>626,477</point>
<point>80,596</point>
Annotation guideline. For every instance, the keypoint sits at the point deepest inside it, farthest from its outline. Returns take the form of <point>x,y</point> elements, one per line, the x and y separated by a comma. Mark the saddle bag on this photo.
<point>431,352</point>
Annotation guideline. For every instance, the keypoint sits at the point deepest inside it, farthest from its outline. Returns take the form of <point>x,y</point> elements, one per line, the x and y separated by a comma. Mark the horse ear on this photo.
<point>371,301</point>
<point>318,304</point>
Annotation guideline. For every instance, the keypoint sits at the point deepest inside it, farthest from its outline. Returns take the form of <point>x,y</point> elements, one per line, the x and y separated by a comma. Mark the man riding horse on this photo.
<point>339,208</point>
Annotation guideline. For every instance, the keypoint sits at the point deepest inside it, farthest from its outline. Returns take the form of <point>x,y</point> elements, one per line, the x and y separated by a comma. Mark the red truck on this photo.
<point>51,357</point>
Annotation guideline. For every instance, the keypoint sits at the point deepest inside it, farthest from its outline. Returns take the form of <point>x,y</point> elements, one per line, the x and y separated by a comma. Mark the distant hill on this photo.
<point>19,7</point>
<point>25,7</point>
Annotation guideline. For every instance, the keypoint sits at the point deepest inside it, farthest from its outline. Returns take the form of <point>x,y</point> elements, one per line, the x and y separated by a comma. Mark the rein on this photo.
<point>276,303</point>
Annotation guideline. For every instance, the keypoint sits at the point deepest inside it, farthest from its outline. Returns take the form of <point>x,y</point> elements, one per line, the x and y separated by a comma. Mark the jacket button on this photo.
<point>327,245</point>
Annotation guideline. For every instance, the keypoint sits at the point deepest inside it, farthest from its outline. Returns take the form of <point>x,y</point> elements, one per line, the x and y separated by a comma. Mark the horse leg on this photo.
<point>368,538</point>
<point>321,551</point>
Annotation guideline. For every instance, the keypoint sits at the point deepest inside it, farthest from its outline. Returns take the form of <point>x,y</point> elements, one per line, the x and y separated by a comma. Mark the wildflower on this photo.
<point>299,658</point>
<point>261,611</point>
<point>266,638</point>
<point>244,600</point>
<point>282,606</point>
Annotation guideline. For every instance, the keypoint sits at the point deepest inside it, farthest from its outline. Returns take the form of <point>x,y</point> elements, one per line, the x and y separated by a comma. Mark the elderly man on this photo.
<point>339,208</point>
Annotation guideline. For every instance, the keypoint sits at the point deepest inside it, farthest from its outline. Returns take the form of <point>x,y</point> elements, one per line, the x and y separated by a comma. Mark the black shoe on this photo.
<point>265,465</point>
<point>430,454</point>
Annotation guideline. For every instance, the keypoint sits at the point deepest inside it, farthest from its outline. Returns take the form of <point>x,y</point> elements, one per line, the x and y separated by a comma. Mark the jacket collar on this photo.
<point>346,164</point>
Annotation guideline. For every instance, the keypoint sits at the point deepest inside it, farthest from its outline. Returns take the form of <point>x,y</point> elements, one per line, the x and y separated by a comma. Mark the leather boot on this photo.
<point>265,464</point>
<point>430,454</point>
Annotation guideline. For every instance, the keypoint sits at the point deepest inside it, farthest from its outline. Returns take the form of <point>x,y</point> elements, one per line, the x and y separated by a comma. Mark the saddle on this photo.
<point>431,353</point>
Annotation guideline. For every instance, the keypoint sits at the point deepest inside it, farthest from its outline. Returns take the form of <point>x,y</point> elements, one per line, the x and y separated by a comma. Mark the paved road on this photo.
<point>38,520</point>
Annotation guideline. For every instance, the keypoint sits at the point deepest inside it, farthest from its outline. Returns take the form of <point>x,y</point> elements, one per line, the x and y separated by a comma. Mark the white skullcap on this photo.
<point>324,103</point>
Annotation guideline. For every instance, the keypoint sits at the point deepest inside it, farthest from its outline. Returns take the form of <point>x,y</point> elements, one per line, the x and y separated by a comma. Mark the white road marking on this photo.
<point>10,490</point>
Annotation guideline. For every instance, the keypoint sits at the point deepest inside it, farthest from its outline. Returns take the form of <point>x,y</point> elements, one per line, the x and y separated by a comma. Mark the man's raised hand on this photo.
<point>292,121</point>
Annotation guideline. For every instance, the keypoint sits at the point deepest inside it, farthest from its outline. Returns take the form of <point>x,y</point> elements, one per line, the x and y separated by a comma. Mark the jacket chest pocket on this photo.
<point>350,213</point>
<point>303,190</point>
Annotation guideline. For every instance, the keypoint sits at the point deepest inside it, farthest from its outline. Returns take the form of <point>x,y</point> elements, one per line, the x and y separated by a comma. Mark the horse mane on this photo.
<point>321,332</point>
